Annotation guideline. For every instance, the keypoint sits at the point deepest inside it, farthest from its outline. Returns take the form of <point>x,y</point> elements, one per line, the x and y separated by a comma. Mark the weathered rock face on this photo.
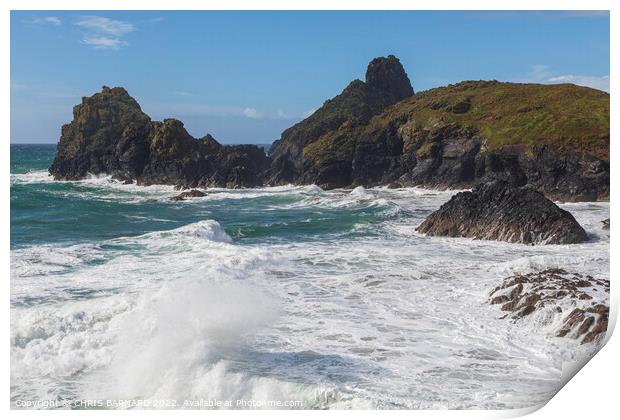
<point>110,134</point>
<point>456,136</point>
<point>554,138</point>
<point>386,83</point>
<point>388,77</point>
<point>550,290</point>
<point>498,211</point>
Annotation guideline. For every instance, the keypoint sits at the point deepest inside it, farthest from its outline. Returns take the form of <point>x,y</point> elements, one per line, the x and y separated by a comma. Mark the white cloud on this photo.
<point>544,74</point>
<point>197,109</point>
<point>103,25</point>
<point>596,82</point>
<point>104,43</point>
<point>277,115</point>
<point>251,113</point>
<point>104,33</point>
<point>539,73</point>
<point>47,20</point>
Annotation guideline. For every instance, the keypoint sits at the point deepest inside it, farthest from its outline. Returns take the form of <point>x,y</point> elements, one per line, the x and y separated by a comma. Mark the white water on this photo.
<point>388,319</point>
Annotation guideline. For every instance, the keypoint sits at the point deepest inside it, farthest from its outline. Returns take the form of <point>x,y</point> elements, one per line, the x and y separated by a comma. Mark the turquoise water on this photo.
<point>330,298</point>
<point>66,212</point>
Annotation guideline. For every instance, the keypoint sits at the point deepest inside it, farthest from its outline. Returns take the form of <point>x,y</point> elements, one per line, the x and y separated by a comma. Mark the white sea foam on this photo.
<point>391,320</point>
<point>33,177</point>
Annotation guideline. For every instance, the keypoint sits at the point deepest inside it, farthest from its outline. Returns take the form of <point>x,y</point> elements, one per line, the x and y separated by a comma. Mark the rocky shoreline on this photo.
<point>550,290</point>
<point>517,145</point>
<point>376,132</point>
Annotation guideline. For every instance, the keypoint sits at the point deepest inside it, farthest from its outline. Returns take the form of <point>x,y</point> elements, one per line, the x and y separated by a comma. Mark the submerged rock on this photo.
<point>605,224</point>
<point>553,291</point>
<point>188,194</point>
<point>498,211</point>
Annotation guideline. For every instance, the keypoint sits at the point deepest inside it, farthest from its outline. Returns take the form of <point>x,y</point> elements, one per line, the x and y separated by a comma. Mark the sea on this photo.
<point>275,297</point>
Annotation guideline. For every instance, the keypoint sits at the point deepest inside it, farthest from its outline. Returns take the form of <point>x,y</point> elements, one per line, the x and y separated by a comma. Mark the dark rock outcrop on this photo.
<point>606,224</point>
<point>554,138</point>
<point>553,290</point>
<point>188,194</point>
<point>498,211</point>
<point>111,135</point>
<point>454,137</point>
<point>386,83</point>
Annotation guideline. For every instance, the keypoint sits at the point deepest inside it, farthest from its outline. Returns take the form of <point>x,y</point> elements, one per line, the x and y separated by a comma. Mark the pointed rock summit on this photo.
<point>388,75</point>
<point>386,83</point>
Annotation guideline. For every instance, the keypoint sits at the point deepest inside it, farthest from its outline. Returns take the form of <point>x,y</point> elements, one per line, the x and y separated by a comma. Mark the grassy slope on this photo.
<point>565,116</point>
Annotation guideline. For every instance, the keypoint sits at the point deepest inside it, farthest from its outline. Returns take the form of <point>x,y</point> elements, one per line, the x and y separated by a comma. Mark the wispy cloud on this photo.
<point>46,20</point>
<point>180,93</point>
<point>544,74</point>
<point>105,25</point>
<point>197,109</point>
<point>104,43</point>
<point>251,113</point>
<point>277,115</point>
<point>596,82</point>
<point>104,33</point>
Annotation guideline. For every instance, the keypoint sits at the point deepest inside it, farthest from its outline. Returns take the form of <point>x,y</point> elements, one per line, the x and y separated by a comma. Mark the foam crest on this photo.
<point>183,329</point>
<point>209,230</point>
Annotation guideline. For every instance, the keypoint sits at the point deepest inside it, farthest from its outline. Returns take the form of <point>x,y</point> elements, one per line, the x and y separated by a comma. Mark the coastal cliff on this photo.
<point>553,138</point>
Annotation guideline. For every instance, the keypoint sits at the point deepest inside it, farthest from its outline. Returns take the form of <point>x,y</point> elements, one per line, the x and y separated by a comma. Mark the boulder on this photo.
<point>498,211</point>
<point>188,194</point>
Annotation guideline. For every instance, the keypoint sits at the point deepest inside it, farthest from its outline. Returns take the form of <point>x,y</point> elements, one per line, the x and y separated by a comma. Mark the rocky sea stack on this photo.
<point>554,138</point>
<point>293,156</point>
<point>111,135</point>
<point>499,211</point>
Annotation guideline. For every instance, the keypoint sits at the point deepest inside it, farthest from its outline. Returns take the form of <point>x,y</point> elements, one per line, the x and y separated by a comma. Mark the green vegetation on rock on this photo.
<point>564,116</point>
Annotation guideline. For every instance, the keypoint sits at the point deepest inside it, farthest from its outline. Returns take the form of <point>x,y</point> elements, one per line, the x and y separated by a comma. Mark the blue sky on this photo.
<point>244,77</point>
